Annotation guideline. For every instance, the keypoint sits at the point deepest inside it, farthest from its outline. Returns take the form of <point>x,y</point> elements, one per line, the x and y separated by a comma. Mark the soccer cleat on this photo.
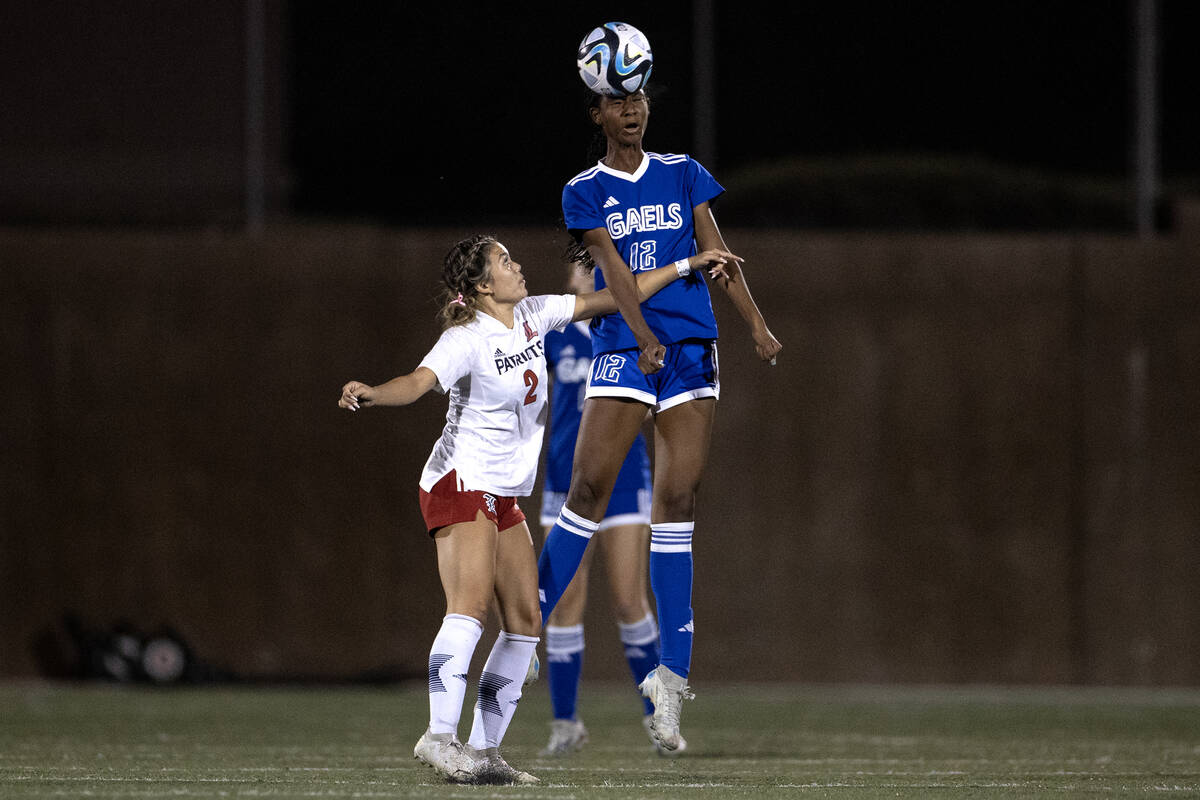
<point>446,755</point>
<point>566,736</point>
<point>492,769</point>
<point>647,722</point>
<point>666,691</point>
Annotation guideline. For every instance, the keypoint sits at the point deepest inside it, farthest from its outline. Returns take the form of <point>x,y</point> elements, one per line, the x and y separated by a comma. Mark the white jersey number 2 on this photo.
<point>531,381</point>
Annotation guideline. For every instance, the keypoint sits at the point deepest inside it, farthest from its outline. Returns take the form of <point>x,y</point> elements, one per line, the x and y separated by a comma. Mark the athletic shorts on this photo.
<point>446,505</point>
<point>625,507</point>
<point>689,372</point>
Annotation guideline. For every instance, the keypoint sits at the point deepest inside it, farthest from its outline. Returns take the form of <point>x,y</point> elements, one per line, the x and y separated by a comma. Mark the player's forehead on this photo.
<point>617,102</point>
<point>499,253</point>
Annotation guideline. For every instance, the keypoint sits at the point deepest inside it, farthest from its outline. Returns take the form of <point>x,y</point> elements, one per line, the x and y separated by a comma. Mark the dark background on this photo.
<point>433,112</point>
<point>935,115</point>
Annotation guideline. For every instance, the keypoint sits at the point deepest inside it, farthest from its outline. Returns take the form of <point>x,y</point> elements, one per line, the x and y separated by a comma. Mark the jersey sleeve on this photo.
<point>553,312</point>
<point>580,211</point>
<point>450,358</point>
<point>702,187</point>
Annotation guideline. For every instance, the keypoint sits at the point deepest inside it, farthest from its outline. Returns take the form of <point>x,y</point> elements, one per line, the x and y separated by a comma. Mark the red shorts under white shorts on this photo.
<point>446,504</point>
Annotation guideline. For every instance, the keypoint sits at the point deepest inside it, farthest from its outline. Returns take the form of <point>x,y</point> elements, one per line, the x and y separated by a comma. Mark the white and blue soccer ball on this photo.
<point>615,59</point>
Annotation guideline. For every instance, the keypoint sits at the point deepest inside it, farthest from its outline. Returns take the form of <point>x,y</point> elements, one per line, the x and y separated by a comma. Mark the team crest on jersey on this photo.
<point>530,333</point>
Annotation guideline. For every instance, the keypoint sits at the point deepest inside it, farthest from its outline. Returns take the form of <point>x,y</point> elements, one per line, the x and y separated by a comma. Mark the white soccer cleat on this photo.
<point>446,755</point>
<point>566,736</point>
<point>491,769</point>
<point>647,723</point>
<point>666,691</point>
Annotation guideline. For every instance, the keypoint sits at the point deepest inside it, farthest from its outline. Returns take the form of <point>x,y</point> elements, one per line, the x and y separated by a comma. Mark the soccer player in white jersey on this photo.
<point>630,213</point>
<point>490,360</point>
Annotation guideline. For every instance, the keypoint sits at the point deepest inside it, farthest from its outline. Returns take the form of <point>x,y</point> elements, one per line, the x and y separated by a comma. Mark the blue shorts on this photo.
<point>625,507</point>
<point>689,372</point>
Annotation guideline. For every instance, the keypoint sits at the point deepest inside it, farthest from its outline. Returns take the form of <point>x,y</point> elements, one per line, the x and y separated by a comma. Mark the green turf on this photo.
<point>779,741</point>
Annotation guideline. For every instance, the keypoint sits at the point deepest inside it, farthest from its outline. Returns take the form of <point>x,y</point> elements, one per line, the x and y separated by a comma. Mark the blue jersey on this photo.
<point>569,358</point>
<point>649,216</point>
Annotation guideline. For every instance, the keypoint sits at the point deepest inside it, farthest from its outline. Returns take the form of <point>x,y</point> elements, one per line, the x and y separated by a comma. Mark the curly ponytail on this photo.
<point>464,268</point>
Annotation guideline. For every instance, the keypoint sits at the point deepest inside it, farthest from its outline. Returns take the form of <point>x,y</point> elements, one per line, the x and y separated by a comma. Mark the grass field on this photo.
<point>77,741</point>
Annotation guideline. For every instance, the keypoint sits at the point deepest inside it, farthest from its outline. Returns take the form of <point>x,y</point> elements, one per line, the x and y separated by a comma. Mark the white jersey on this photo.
<point>496,379</point>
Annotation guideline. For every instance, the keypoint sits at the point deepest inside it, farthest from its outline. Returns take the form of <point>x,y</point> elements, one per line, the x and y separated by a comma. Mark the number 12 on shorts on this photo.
<point>607,368</point>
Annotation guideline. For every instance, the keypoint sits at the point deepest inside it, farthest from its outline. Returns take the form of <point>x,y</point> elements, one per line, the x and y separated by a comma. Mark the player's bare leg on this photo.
<point>607,429</point>
<point>682,435</point>
<point>624,551</point>
<point>466,554</point>
<point>516,581</point>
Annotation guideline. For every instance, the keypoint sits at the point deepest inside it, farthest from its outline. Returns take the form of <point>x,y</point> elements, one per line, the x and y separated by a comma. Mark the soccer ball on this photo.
<point>615,59</point>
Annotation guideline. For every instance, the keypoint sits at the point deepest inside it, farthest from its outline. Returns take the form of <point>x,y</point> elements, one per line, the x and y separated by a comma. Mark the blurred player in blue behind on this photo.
<point>623,539</point>
<point>634,211</point>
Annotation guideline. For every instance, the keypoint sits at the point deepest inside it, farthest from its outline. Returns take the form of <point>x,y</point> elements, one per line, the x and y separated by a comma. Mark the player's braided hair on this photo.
<point>464,268</point>
<point>576,253</point>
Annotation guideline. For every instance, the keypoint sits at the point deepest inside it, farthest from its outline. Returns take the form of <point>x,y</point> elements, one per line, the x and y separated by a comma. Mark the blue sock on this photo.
<point>641,651</point>
<point>564,657</point>
<point>671,580</point>
<point>561,554</point>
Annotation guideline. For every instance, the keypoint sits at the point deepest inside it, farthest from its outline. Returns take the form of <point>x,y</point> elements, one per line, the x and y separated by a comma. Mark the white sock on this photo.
<point>500,688</point>
<point>449,662</point>
<point>563,641</point>
<point>644,631</point>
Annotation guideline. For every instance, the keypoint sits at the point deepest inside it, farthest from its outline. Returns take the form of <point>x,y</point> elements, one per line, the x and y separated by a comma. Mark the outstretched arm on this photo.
<point>593,304</point>
<point>397,392</point>
<point>708,236</point>
<point>621,282</point>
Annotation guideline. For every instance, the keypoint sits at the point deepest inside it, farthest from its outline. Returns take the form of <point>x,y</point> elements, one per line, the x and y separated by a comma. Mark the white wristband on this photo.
<point>683,267</point>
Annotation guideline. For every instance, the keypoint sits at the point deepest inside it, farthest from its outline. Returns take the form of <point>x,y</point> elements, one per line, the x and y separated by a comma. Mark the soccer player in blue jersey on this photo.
<point>623,537</point>
<point>634,211</point>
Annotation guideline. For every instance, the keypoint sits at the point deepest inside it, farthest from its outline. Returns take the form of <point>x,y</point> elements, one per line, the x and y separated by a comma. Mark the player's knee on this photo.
<point>585,497</point>
<point>629,609</point>
<point>564,618</point>
<point>525,620</point>
<point>477,610</point>
<point>675,504</point>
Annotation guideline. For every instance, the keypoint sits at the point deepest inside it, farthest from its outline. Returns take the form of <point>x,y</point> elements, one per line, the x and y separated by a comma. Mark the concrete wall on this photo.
<point>978,459</point>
